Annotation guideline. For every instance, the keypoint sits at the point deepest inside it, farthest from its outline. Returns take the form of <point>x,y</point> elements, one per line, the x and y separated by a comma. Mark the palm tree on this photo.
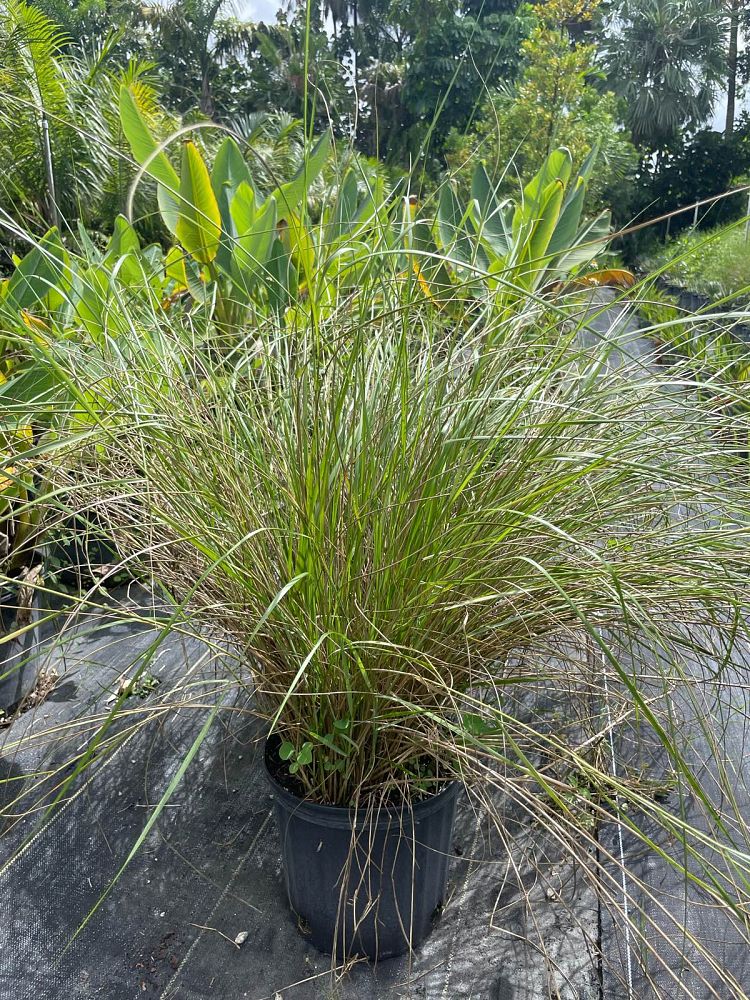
<point>62,153</point>
<point>338,10</point>
<point>667,59</point>
<point>35,108</point>
<point>734,30</point>
<point>194,31</point>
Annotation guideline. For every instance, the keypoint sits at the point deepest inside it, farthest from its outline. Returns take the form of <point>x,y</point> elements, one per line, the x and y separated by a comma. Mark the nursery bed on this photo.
<point>209,871</point>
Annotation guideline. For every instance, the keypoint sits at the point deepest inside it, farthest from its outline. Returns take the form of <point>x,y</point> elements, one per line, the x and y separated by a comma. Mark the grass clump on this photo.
<point>399,521</point>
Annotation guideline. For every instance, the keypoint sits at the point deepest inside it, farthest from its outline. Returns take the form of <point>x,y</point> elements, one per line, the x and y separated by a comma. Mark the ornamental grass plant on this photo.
<point>446,541</point>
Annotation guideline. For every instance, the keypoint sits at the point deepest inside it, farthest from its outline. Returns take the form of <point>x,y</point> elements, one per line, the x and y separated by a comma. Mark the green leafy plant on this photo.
<point>249,249</point>
<point>556,102</point>
<point>297,758</point>
<point>350,441</point>
<point>518,249</point>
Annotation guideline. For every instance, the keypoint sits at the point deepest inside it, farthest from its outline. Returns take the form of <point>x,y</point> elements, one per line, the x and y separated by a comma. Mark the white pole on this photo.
<point>55,217</point>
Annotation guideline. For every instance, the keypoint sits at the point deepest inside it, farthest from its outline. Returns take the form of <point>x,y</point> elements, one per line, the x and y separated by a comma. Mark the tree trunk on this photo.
<point>734,21</point>
<point>207,98</point>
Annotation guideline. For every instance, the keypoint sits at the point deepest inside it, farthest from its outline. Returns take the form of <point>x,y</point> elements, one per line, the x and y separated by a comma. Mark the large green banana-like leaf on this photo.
<point>229,171</point>
<point>124,239</point>
<point>94,297</point>
<point>299,244</point>
<point>589,242</point>
<point>544,226</point>
<point>43,275</point>
<point>492,219</point>
<point>123,256</point>
<point>281,282</point>
<point>290,196</point>
<point>144,147</point>
<point>256,233</point>
<point>557,167</point>
<point>199,220</point>
<point>243,209</point>
<point>174,269</point>
<point>349,219</point>
<point>569,221</point>
<point>340,217</point>
<point>451,227</point>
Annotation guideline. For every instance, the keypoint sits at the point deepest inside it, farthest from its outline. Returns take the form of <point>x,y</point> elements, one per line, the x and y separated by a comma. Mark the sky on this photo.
<point>256,10</point>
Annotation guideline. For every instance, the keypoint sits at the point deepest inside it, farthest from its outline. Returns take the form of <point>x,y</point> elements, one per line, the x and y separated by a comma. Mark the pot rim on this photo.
<point>347,817</point>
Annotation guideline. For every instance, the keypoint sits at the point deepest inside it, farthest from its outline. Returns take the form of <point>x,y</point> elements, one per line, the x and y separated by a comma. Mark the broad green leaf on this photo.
<point>92,253</point>
<point>253,245</point>
<point>299,244</point>
<point>493,219</point>
<point>549,213</point>
<point>142,142</point>
<point>291,195</point>
<point>196,280</point>
<point>569,222</point>
<point>450,226</point>
<point>342,214</point>
<point>590,241</point>
<point>482,191</point>
<point>281,281</point>
<point>43,275</point>
<point>94,298</point>
<point>243,210</point>
<point>199,221</point>
<point>557,167</point>
<point>124,239</point>
<point>144,146</point>
<point>174,267</point>
<point>373,208</point>
<point>229,171</point>
<point>587,167</point>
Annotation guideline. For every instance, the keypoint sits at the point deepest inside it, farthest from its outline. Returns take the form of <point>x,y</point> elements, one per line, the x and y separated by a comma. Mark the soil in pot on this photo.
<point>370,882</point>
<point>19,613</point>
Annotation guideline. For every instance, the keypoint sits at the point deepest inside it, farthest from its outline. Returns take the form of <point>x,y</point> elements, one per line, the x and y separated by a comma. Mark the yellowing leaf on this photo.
<point>616,277</point>
<point>174,267</point>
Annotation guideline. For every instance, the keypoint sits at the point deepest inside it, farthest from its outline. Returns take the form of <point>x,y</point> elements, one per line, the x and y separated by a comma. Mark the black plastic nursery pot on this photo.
<point>19,615</point>
<point>369,883</point>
